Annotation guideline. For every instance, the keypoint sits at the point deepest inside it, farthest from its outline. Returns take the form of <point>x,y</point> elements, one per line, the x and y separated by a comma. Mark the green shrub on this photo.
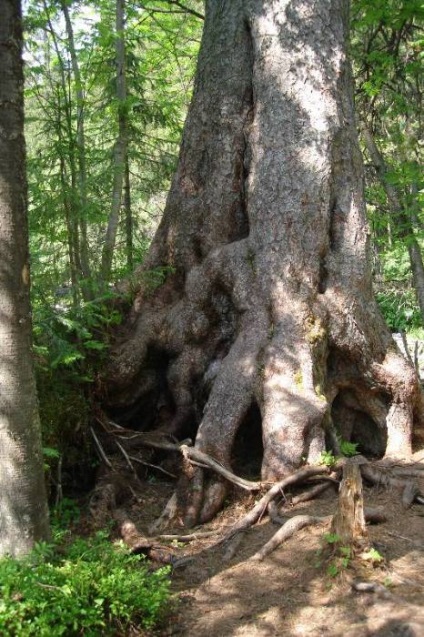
<point>399,308</point>
<point>91,588</point>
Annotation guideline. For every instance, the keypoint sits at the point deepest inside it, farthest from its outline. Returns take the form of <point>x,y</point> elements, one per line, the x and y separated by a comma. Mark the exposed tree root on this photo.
<point>191,453</point>
<point>260,508</point>
<point>288,529</point>
<point>382,476</point>
<point>312,493</point>
<point>232,546</point>
<point>387,475</point>
<point>169,513</point>
<point>274,514</point>
<point>374,516</point>
<point>138,543</point>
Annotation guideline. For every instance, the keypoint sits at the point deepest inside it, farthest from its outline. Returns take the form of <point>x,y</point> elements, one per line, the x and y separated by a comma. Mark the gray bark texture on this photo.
<point>268,306</point>
<point>23,504</point>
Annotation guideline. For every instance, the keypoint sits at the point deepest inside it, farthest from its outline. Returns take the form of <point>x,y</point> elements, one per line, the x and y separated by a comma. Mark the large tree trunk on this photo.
<point>268,300</point>
<point>23,504</point>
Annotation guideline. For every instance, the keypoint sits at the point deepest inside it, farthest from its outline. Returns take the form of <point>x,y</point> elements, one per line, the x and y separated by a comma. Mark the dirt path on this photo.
<point>290,593</point>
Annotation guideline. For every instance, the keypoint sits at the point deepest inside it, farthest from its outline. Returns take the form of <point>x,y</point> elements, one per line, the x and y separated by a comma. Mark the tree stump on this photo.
<point>349,520</point>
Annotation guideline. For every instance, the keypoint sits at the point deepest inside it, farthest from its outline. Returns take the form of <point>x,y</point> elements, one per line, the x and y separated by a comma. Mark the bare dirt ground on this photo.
<point>291,593</point>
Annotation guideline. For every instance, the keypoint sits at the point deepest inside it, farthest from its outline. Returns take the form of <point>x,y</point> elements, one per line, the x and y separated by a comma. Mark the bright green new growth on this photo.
<point>347,449</point>
<point>90,588</point>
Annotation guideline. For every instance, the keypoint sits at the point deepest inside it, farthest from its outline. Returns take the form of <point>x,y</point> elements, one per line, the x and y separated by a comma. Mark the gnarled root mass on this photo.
<point>264,325</point>
<point>348,522</point>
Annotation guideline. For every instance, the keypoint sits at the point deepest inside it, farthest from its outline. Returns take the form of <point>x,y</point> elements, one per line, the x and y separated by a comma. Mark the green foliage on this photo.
<point>373,556</point>
<point>65,514</point>
<point>399,309</point>
<point>70,345</point>
<point>348,449</point>
<point>331,538</point>
<point>341,556</point>
<point>90,587</point>
<point>327,458</point>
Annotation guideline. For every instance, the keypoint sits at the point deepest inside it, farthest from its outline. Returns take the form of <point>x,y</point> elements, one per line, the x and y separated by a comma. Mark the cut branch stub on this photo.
<point>349,520</point>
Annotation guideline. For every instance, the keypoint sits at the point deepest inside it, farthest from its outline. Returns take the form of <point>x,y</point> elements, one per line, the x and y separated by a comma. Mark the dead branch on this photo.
<point>126,457</point>
<point>153,466</point>
<point>286,531</point>
<point>190,453</point>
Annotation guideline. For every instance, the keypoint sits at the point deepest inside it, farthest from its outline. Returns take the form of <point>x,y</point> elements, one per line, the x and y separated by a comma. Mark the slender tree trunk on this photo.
<point>267,312</point>
<point>81,148</point>
<point>72,211</point>
<point>405,224</point>
<point>23,505</point>
<point>128,217</point>
<point>120,148</point>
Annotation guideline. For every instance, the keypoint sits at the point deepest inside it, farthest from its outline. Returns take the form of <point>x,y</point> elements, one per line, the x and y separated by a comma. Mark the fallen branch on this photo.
<point>153,466</point>
<point>190,453</point>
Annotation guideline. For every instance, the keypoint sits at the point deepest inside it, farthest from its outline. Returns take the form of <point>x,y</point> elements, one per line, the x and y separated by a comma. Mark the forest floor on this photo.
<point>290,593</point>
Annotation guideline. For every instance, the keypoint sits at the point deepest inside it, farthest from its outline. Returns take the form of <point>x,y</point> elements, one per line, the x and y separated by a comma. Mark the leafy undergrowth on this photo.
<point>85,587</point>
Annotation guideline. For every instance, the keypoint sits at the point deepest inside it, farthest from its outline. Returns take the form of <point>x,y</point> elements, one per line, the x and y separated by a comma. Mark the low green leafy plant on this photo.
<point>373,556</point>
<point>348,449</point>
<point>341,555</point>
<point>327,458</point>
<point>90,588</point>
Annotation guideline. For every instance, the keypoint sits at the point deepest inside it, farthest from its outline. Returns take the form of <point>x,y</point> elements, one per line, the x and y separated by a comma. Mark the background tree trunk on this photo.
<point>267,312</point>
<point>121,145</point>
<point>23,507</point>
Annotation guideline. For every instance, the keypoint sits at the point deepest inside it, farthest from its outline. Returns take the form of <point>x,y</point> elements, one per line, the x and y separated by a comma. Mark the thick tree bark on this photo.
<point>23,505</point>
<point>269,302</point>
